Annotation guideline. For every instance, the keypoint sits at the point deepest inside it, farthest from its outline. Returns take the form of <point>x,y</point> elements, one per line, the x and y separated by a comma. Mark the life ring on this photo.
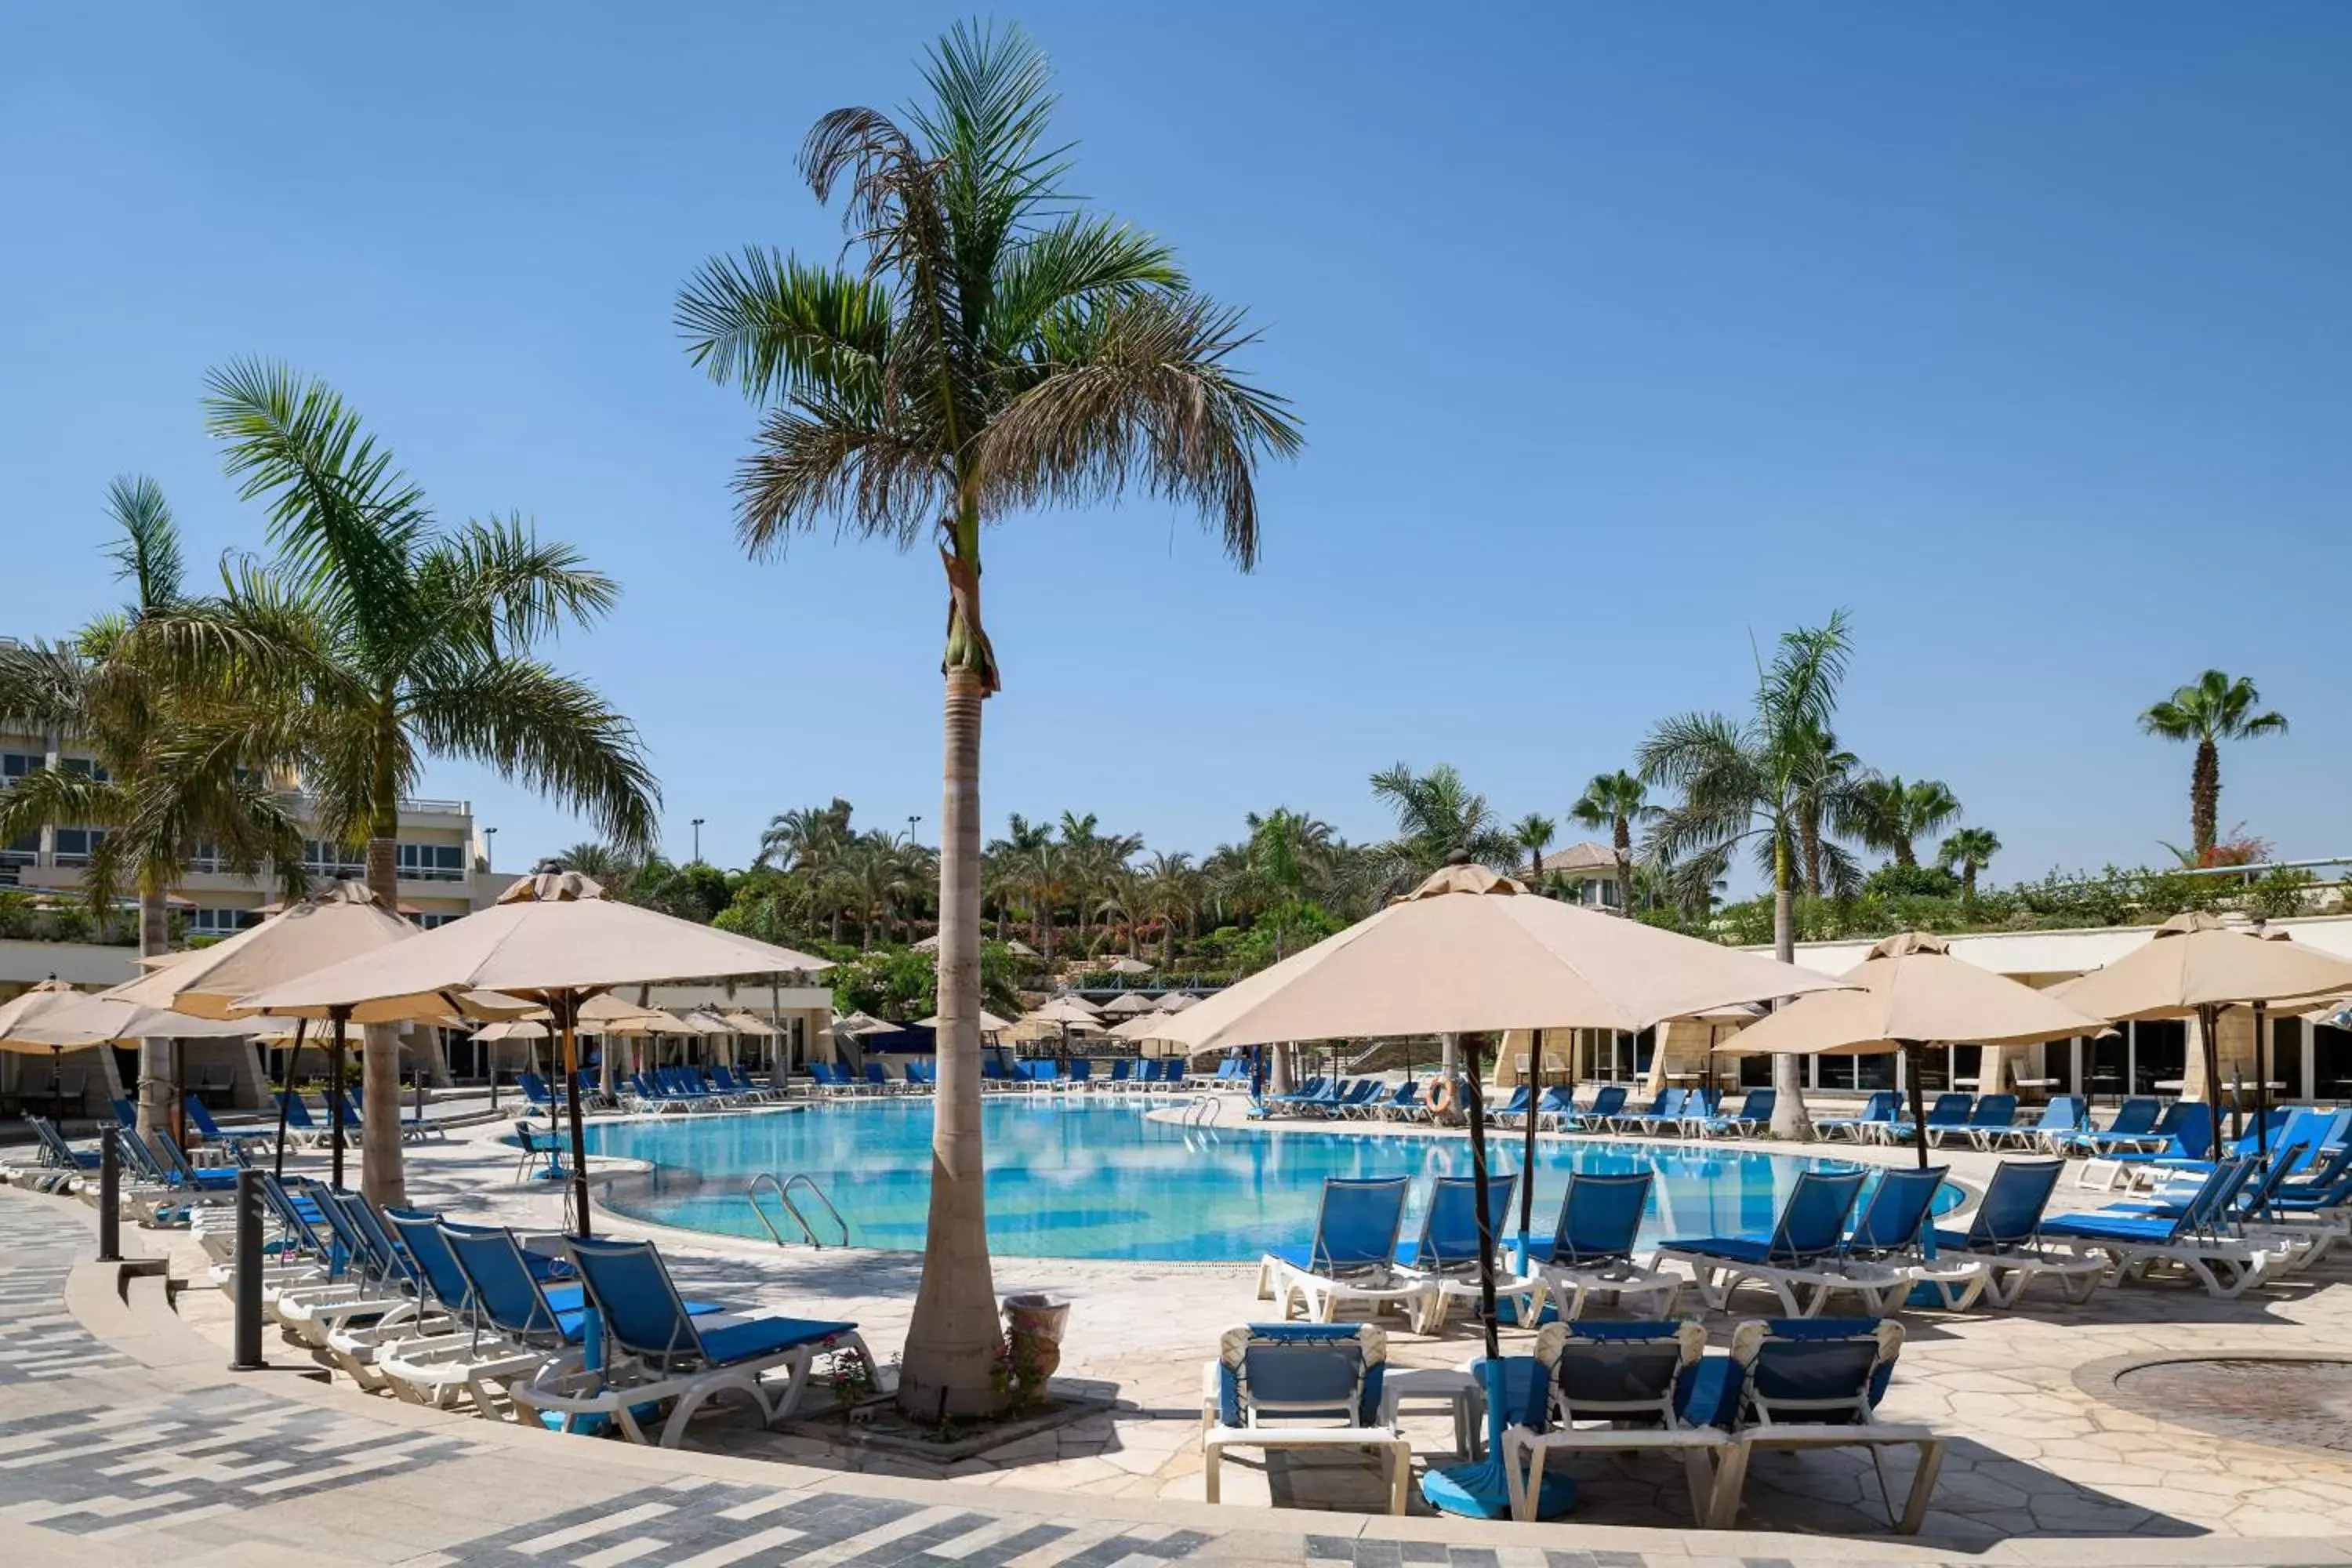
<point>1441,1099</point>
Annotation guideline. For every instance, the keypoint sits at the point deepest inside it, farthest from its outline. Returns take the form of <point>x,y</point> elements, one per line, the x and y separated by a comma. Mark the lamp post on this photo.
<point>698,840</point>
<point>489,849</point>
<point>912,818</point>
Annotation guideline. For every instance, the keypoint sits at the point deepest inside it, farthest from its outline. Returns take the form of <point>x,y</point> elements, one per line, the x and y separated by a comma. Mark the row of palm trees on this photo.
<point>372,638</point>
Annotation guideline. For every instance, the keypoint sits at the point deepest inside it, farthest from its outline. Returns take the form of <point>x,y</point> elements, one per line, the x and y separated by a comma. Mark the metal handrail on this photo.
<point>802,1178</point>
<point>752,1197</point>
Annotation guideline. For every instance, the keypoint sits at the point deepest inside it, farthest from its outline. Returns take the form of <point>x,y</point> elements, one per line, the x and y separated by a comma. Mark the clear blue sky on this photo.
<point>1620,332</point>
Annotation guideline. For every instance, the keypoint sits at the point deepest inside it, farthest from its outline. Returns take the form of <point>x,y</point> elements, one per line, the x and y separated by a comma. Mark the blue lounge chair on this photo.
<point>56,1150</point>
<point>1612,1388</point>
<point>1949,1111</point>
<point>1556,1109</point>
<point>2052,1131</point>
<point>658,1353</point>
<point>1810,1228</point>
<point>1267,1376</point>
<point>2183,1134</point>
<point>1590,1257</point>
<point>1816,1382</point>
<point>1081,1072</point>
<point>1353,1260</point>
<point>1445,1257</point>
<point>1403,1103</point>
<point>2201,1236</point>
<point>1521,1102</point>
<point>2006,1235</point>
<point>1884,1259</point>
<point>1991,1113</point>
<point>1754,1115</point>
<point>200,1116</point>
<point>1665,1110</point>
<point>1877,1116</point>
<point>1608,1101</point>
<point>2134,1127</point>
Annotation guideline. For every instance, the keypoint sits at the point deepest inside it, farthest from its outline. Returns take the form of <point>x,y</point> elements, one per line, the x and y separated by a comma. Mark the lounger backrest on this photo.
<point>2189,1124</point>
<point>2135,1115</point>
<point>1759,1104</point>
<point>1897,1211</point>
<point>2009,1214</point>
<point>1813,1371</point>
<point>55,1141</point>
<point>1449,1229</point>
<point>1951,1110</point>
<point>1357,1228</point>
<point>1636,1375</point>
<point>419,1235</point>
<point>1994,1111</point>
<point>1812,1222</point>
<point>1081,1069</point>
<point>632,1290</point>
<point>1300,1371</point>
<point>126,1116</point>
<point>2063,1114</point>
<point>200,1118</point>
<point>1703,1102</point>
<point>1671,1104</point>
<point>1600,1216</point>
<point>1880,1107</point>
<point>1608,1101</point>
<point>501,1283</point>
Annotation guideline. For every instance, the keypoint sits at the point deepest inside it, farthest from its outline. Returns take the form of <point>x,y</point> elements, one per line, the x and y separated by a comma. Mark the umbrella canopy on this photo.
<point>1911,990</point>
<point>990,1024</point>
<point>513,1029</point>
<point>1019,949</point>
<point>929,944</point>
<point>346,921</point>
<point>85,1020</point>
<point>1070,1010</point>
<point>743,1023</point>
<point>554,938</point>
<point>2195,965</point>
<point>1146,1027</point>
<point>1130,966</point>
<point>1176,1001</point>
<point>862,1023</point>
<point>1471,952</point>
<point>1132,1003</point>
<point>705,1022</point>
<point>556,932</point>
<point>2195,961</point>
<point>27,1010</point>
<point>650,1021</point>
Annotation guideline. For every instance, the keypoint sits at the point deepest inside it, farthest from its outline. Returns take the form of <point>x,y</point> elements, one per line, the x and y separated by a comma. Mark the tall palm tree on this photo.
<point>1894,814</point>
<point>402,641</point>
<point>177,761</point>
<point>999,348</point>
<point>1172,893</point>
<point>1741,781</point>
<point>608,864</point>
<point>2215,709</point>
<point>1968,850</point>
<point>800,839</point>
<point>1829,808</point>
<point>1437,813</point>
<point>1615,803</point>
<point>1535,832</point>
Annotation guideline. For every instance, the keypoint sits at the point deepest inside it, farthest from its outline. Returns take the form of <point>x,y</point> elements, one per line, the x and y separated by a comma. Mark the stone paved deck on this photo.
<point>2043,1469</point>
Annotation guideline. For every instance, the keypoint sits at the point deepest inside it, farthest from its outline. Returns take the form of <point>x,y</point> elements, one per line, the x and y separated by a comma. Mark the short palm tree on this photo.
<point>401,641</point>
<point>1968,850</point>
<point>1437,813</point>
<point>2215,709</point>
<point>1616,803</point>
<point>997,349</point>
<point>1894,814</point>
<point>1742,781</point>
<point>1535,832</point>
<point>177,761</point>
<point>800,840</point>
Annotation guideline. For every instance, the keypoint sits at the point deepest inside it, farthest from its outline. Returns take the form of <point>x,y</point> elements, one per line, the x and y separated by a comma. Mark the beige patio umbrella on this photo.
<point>861,1023</point>
<point>1912,993</point>
<point>2194,965</point>
<point>1019,949</point>
<point>344,921</point>
<point>990,1024</point>
<point>1070,1010</point>
<point>25,1011</point>
<point>77,1019</point>
<point>706,1023</point>
<point>1128,1004</point>
<point>1143,1028</point>
<point>1471,953</point>
<point>1130,966</point>
<point>751,1025</point>
<point>929,944</point>
<point>554,938</point>
<point>1176,1001</point>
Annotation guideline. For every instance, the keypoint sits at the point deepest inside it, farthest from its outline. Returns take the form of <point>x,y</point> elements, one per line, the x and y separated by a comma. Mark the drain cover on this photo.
<point>2297,1403</point>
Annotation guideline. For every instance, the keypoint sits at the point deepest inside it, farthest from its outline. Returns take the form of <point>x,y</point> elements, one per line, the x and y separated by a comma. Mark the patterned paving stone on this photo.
<point>39,1341</point>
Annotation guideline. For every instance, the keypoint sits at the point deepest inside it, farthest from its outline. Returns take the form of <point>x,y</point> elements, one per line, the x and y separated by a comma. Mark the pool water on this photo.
<point>1086,1177</point>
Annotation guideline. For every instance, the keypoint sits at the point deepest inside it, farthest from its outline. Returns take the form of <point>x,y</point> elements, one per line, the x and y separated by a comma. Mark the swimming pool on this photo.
<point>1084,1177</point>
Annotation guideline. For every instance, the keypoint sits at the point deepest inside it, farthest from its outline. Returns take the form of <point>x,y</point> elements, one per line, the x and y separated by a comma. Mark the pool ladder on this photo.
<point>1199,1121</point>
<point>783,1189</point>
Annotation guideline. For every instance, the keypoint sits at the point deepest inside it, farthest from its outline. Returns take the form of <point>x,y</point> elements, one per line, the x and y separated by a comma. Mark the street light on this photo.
<point>489,849</point>
<point>912,818</point>
<point>698,840</point>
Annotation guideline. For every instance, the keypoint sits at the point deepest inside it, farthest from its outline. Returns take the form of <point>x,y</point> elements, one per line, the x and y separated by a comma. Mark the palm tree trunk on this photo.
<point>1903,854</point>
<point>156,1097</point>
<point>1812,842</point>
<point>381,1177</point>
<point>1623,841</point>
<point>2205,799</point>
<point>1790,1117</point>
<point>954,1338</point>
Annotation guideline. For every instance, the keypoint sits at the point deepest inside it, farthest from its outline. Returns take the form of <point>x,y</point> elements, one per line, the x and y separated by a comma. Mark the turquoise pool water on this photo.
<point>1082,1177</point>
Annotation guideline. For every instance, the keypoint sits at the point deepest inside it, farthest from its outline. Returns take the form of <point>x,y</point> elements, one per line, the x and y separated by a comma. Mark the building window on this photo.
<point>207,858</point>
<point>77,845</point>
<point>431,922</point>
<point>23,851</point>
<point>220,922</point>
<point>323,857</point>
<point>14,765</point>
<point>431,862</point>
<point>84,767</point>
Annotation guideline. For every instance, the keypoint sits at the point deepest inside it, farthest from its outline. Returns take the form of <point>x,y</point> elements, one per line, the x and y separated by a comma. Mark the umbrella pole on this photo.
<point>180,1092</point>
<point>58,1088</point>
<point>1914,1057</point>
<point>2209,1024</point>
<point>2262,1086</point>
<point>335,1096</point>
<point>286,1093</point>
<point>1528,1154</point>
<point>564,1013</point>
<point>1481,1488</point>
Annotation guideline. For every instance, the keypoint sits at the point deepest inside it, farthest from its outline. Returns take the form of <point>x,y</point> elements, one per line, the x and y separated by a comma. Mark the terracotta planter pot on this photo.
<point>1035,1324</point>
